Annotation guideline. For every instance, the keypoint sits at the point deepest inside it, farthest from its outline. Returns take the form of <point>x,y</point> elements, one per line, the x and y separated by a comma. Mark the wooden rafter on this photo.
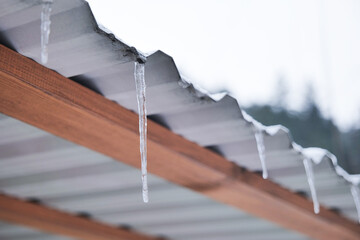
<point>45,99</point>
<point>57,222</point>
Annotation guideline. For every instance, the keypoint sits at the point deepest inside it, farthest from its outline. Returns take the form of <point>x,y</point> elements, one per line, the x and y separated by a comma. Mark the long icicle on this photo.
<point>140,94</point>
<point>45,29</point>
<point>355,192</point>
<point>261,149</point>
<point>310,178</point>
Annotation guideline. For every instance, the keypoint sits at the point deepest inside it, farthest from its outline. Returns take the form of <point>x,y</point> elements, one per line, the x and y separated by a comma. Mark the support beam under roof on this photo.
<point>49,220</point>
<point>45,99</point>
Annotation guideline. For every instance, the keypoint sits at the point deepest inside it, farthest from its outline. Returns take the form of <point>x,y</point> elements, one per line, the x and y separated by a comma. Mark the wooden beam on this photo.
<point>53,221</point>
<point>45,99</point>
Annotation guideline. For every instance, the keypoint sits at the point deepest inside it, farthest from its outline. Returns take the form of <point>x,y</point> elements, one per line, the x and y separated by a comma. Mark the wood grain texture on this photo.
<point>45,99</point>
<point>53,221</point>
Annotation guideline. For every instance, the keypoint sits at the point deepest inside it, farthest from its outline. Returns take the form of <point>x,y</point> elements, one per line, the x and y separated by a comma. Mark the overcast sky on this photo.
<point>246,46</point>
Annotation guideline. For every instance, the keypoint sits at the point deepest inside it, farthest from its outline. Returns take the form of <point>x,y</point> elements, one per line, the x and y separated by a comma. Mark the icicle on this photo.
<point>45,29</point>
<point>356,196</point>
<point>310,178</point>
<point>140,94</point>
<point>261,149</point>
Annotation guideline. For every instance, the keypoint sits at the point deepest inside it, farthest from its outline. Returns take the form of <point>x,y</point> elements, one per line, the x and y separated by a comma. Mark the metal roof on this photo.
<point>8,231</point>
<point>35,164</point>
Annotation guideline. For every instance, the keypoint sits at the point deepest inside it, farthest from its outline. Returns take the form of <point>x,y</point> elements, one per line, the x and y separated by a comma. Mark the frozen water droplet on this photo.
<point>355,192</point>
<point>139,74</point>
<point>259,137</point>
<point>45,29</point>
<point>310,178</point>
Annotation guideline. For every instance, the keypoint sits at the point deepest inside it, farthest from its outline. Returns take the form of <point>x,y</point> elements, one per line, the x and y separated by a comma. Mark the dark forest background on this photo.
<point>309,128</point>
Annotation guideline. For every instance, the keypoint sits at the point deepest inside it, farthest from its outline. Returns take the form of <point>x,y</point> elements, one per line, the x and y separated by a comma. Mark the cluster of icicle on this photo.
<point>311,156</point>
<point>259,129</point>
<point>139,75</point>
<point>45,29</point>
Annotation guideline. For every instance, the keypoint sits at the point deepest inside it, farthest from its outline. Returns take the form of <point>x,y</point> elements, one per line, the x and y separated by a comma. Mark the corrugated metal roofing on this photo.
<point>8,231</point>
<point>75,179</point>
<point>35,164</point>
